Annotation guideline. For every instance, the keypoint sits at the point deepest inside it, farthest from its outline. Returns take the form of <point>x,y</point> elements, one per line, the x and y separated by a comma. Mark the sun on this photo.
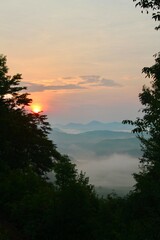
<point>36,108</point>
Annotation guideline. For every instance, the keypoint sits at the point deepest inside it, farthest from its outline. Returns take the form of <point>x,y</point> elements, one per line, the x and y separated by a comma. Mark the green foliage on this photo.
<point>30,205</point>
<point>65,172</point>
<point>143,202</point>
<point>23,140</point>
<point>148,127</point>
<point>42,211</point>
<point>154,5</point>
<point>112,214</point>
<point>4,235</point>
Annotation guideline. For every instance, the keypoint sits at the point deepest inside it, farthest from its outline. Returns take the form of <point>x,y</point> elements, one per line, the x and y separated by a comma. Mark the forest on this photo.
<point>32,207</point>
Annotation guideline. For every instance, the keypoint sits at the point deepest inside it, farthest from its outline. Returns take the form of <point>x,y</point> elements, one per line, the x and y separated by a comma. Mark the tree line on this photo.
<point>34,208</point>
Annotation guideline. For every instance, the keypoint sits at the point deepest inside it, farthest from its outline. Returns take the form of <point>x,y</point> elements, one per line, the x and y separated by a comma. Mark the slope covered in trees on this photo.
<point>29,203</point>
<point>32,207</point>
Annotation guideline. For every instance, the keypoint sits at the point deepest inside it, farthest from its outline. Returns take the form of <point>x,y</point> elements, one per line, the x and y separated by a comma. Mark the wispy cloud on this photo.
<point>72,83</point>
<point>95,80</point>
<point>34,87</point>
<point>90,78</point>
<point>108,83</point>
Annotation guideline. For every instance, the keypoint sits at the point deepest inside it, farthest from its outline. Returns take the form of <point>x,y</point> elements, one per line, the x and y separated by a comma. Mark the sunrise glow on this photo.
<point>36,108</point>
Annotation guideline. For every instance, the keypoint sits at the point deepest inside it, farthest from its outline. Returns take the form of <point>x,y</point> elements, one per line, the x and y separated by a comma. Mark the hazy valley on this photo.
<point>107,152</point>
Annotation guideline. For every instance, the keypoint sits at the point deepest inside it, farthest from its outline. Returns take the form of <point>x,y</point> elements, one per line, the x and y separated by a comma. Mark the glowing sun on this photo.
<point>36,108</point>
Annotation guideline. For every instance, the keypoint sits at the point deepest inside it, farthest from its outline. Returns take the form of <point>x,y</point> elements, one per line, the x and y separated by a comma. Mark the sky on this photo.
<point>81,60</point>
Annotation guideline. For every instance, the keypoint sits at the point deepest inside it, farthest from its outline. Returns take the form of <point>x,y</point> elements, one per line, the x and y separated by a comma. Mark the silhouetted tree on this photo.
<point>146,196</point>
<point>68,208</point>
<point>23,135</point>
<point>148,127</point>
<point>154,5</point>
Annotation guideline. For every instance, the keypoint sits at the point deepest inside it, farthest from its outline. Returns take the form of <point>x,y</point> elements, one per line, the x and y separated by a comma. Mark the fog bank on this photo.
<point>113,171</point>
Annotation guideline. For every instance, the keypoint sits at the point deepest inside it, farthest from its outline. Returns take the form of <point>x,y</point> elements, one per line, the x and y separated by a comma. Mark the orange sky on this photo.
<point>80,59</point>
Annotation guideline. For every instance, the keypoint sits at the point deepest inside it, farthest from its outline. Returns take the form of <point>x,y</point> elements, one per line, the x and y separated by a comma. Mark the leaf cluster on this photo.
<point>154,5</point>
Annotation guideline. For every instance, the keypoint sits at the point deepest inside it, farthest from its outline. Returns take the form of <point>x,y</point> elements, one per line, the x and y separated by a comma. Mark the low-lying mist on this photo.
<point>113,171</point>
<point>108,158</point>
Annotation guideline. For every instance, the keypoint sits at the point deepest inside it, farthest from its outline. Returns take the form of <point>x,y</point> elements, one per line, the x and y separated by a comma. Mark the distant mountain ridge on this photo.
<point>92,126</point>
<point>99,142</point>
